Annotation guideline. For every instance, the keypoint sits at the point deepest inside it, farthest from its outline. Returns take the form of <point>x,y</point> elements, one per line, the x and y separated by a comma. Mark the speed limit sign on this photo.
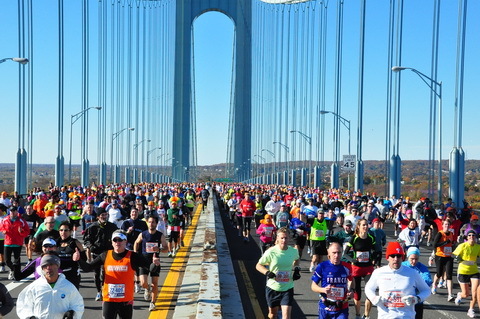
<point>349,163</point>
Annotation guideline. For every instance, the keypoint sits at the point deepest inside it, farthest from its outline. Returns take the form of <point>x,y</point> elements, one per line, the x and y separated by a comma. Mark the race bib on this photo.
<point>319,233</point>
<point>30,224</point>
<point>394,299</point>
<point>447,251</point>
<point>283,276</point>
<point>336,293</point>
<point>151,247</point>
<point>363,256</point>
<point>116,290</point>
<point>268,231</point>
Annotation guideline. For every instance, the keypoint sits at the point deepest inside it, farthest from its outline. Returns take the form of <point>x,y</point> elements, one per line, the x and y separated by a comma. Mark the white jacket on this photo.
<point>39,299</point>
<point>393,284</point>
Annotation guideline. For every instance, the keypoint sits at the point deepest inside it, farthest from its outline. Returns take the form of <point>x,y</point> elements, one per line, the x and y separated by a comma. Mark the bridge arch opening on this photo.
<point>212,58</point>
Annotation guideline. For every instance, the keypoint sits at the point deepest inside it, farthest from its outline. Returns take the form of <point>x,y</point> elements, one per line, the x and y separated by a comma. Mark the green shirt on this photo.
<point>280,262</point>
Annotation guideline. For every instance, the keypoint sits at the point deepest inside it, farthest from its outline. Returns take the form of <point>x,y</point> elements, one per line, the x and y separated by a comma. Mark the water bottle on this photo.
<point>430,261</point>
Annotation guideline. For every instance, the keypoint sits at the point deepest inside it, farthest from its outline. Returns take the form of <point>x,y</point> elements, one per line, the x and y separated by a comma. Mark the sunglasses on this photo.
<point>396,256</point>
<point>48,246</point>
<point>471,235</point>
<point>64,229</point>
<point>117,240</point>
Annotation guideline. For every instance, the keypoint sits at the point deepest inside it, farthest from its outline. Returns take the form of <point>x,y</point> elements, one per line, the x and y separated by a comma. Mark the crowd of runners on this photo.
<point>343,233</point>
<point>123,228</point>
<point>119,231</point>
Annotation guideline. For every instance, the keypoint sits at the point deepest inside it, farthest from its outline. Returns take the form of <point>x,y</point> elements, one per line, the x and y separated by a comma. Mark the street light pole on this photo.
<point>273,156</point>
<point>148,168</point>
<point>345,123</point>
<point>309,141</point>
<point>74,118</point>
<point>287,150</point>
<point>112,168</point>
<point>135,154</point>
<point>436,88</point>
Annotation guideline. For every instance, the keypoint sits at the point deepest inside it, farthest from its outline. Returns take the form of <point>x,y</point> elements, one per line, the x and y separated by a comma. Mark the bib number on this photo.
<point>336,293</point>
<point>151,247</point>
<point>447,251</point>
<point>319,233</point>
<point>116,290</point>
<point>363,256</point>
<point>283,276</point>
<point>394,299</point>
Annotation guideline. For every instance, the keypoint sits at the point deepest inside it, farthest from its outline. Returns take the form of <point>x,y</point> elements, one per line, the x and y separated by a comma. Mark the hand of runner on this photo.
<point>76,255</point>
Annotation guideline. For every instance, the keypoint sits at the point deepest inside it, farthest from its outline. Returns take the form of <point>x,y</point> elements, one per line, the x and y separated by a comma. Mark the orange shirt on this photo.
<point>445,250</point>
<point>118,285</point>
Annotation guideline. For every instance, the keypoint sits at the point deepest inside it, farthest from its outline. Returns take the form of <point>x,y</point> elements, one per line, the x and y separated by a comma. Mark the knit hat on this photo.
<point>394,248</point>
<point>50,260</point>
<point>413,251</point>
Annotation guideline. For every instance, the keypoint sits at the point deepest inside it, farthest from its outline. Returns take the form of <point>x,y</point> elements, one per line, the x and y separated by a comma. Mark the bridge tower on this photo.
<point>240,12</point>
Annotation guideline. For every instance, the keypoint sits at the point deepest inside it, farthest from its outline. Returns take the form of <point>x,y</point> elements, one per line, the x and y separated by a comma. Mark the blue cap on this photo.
<point>413,251</point>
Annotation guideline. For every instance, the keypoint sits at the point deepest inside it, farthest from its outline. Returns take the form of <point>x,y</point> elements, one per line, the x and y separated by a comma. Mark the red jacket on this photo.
<point>15,232</point>
<point>247,206</point>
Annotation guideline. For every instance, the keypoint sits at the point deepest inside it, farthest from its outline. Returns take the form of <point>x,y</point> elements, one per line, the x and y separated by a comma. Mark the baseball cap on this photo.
<point>394,248</point>
<point>375,220</point>
<point>49,260</point>
<point>49,241</point>
<point>347,222</point>
<point>119,234</point>
<point>151,203</point>
<point>474,217</point>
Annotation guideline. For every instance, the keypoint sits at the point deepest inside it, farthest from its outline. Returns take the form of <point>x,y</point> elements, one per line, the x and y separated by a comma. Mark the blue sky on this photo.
<point>213,52</point>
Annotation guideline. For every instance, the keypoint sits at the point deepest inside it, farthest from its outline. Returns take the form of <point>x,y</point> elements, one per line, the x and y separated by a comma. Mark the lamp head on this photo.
<point>131,129</point>
<point>324,112</point>
<point>20,60</point>
<point>398,68</point>
<point>98,107</point>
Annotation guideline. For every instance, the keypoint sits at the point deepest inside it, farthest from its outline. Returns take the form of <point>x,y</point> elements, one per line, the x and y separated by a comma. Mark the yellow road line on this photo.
<point>167,294</point>
<point>257,310</point>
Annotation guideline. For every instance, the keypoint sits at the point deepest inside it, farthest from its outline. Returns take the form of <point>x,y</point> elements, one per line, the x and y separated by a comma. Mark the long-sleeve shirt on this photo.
<point>393,284</point>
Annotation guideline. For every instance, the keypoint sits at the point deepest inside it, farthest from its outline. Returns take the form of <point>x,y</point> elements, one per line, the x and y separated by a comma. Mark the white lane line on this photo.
<point>15,284</point>
<point>446,314</point>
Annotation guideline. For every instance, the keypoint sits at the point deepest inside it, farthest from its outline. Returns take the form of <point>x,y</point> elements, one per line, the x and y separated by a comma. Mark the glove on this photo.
<point>270,274</point>
<point>378,300</point>
<point>410,300</point>
<point>296,273</point>
<point>68,314</point>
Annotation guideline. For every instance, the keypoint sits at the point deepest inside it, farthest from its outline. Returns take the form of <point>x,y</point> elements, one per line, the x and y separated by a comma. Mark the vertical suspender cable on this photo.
<point>30,97</point>
<point>388,117</point>
<point>361,66</point>
<point>433,97</point>
<point>287,90</point>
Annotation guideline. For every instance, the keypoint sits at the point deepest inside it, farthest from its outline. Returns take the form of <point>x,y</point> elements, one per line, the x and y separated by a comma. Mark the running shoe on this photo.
<point>471,313</point>
<point>146,294</point>
<point>151,307</point>
<point>169,254</point>
<point>10,275</point>
<point>309,251</point>
<point>98,297</point>
<point>429,244</point>
<point>2,268</point>
<point>365,317</point>
<point>312,268</point>
<point>434,290</point>
<point>174,253</point>
<point>458,300</point>
<point>450,298</point>
<point>137,288</point>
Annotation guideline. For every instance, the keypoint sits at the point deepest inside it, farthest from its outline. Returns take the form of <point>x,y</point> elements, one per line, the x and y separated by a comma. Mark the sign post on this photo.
<point>349,165</point>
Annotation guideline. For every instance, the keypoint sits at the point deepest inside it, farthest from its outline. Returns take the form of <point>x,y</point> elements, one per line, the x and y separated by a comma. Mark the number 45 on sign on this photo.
<point>349,162</point>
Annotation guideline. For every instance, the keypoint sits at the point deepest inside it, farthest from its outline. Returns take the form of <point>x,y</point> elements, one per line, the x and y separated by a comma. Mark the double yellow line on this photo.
<point>167,295</point>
